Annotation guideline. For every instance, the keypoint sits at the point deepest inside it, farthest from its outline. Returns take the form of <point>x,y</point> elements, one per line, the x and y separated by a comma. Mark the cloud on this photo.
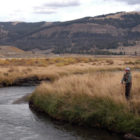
<point>130,2</point>
<point>62,10</point>
<point>16,15</point>
<point>44,10</point>
<point>62,4</point>
<point>53,6</point>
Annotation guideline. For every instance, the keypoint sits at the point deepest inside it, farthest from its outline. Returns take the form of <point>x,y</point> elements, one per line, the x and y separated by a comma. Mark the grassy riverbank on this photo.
<point>95,99</point>
<point>82,90</point>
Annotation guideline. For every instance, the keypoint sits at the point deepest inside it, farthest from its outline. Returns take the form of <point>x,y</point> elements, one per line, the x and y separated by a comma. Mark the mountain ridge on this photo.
<point>90,35</point>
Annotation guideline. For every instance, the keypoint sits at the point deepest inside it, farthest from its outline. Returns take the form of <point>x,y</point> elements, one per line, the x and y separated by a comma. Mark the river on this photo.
<point>18,122</point>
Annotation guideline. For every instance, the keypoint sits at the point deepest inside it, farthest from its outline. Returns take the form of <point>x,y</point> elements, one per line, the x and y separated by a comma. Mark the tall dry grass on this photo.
<point>9,74</point>
<point>54,68</point>
<point>95,99</point>
<point>100,84</point>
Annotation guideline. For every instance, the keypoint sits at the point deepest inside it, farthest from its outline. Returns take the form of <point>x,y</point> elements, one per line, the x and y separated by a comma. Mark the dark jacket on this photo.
<point>127,78</point>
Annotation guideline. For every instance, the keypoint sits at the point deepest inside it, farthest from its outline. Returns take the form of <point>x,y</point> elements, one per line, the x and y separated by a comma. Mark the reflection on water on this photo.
<point>18,122</point>
<point>77,132</point>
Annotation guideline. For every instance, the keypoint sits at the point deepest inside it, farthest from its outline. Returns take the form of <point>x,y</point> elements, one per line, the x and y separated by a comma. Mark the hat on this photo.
<point>127,69</point>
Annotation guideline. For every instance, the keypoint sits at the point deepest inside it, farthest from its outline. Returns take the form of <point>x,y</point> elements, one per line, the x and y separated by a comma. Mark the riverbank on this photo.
<point>94,100</point>
<point>84,90</point>
<point>17,121</point>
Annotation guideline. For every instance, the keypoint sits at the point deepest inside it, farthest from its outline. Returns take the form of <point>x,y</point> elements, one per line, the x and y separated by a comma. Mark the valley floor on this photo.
<point>81,90</point>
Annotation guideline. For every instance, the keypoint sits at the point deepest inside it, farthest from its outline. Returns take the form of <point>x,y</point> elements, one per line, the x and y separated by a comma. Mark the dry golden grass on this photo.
<point>63,61</point>
<point>94,99</point>
<point>55,68</point>
<point>98,84</point>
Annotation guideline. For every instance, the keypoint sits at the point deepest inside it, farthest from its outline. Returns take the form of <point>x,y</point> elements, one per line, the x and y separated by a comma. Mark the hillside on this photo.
<point>105,34</point>
<point>13,52</point>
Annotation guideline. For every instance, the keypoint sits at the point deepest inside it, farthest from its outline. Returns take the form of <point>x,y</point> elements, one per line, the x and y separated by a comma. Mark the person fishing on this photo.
<point>127,80</point>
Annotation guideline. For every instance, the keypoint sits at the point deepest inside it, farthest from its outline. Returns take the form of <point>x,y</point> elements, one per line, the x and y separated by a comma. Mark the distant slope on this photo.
<point>87,35</point>
<point>10,49</point>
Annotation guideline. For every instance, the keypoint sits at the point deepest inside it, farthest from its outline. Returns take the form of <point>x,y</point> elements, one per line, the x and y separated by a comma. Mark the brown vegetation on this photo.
<point>83,90</point>
<point>14,70</point>
<point>95,99</point>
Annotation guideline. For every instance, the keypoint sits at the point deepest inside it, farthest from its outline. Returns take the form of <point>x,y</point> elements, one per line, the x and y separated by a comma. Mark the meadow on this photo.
<point>80,90</point>
<point>14,71</point>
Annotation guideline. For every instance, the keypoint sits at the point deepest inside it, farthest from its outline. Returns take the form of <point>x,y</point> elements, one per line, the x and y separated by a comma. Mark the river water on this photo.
<point>18,122</point>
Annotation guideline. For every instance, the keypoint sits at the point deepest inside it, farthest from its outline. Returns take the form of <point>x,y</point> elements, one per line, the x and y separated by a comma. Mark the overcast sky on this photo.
<point>61,10</point>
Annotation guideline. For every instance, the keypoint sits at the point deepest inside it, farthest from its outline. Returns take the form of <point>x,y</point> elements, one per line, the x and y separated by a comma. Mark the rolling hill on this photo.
<point>105,34</point>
